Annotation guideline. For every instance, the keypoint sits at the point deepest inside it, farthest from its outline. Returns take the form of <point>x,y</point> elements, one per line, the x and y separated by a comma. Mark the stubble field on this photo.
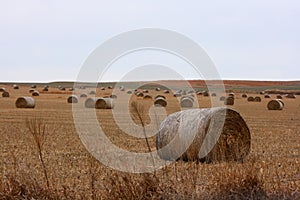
<point>271,171</point>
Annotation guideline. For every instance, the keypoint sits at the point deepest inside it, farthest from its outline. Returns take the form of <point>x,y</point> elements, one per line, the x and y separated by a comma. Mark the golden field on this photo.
<point>271,171</point>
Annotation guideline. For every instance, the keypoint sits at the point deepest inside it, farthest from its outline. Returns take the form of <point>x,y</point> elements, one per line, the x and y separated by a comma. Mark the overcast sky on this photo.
<point>48,40</point>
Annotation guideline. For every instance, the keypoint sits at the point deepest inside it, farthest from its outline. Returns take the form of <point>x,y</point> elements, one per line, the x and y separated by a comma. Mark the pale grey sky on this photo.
<point>48,40</point>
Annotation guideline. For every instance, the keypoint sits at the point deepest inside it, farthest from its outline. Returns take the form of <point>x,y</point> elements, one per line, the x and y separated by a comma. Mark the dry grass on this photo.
<point>272,170</point>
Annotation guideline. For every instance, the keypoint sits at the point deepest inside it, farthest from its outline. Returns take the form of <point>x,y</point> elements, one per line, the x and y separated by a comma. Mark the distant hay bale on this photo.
<point>91,102</point>
<point>110,87</point>
<point>231,94</point>
<point>147,97</point>
<point>290,96</point>
<point>275,105</point>
<point>205,93</point>
<point>33,86</point>
<point>129,92</point>
<point>2,89</point>
<point>71,89</point>
<point>222,98</point>
<point>72,99</point>
<point>92,92</point>
<point>160,101</point>
<point>5,94</point>
<point>213,94</point>
<point>244,95</point>
<point>15,87</point>
<point>45,89</point>
<point>157,89</point>
<point>139,94</point>
<point>35,94</point>
<point>122,89</point>
<point>178,129</point>
<point>31,90</point>
<point>83,95</point>
<point>25,102</point>
<point>158,96</point>
<point>177,95</point>
<point>102,88</point>
<point>145,91</point>
<point>166,91</point>
<point>279,97</point>
<point>62,88</point>
<point>250,98</point>
<point>113,96</point>
<point>104,103</point>
<point>267,96</point>
<point>229,101</point>
<point>262,92</point>
<point>257,99</point>
<point>199,93</point>
<point>187,102</point>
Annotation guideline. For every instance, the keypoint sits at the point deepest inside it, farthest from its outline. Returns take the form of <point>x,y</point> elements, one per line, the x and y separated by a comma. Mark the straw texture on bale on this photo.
<point>5,94</point>
<point>229,101</point>
<point>257,99</point>
<point>72,99</point>
<point>160,102</point>
<point>194,127</point>
<point>187,102</point>
<point>35,93</point>
<point>244,95</point>
<point>275,105</point>
<point>90,102</point>
<point>25,102</point>
<point>250,99</point>
<point>104,103</point>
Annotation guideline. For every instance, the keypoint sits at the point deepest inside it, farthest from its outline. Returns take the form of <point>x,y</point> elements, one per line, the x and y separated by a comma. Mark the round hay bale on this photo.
<point>102,88</point>
<point>92,92</point>
<point>160,96</point>
<point>145,91</point>
<point>231,94</point>
<point>187,102</point>
<point>222,98</point>
<point>62,89</point>
<point>250,98</point>
<point>71,89</point>
<point>113,96</point>
<point>257,99</point>
<point>33,86</point>
<point>5,94</point>
<point>244,95</point>
<point>110,87</point>
<point>25,102</point>
<point>15,87</point>
<point>160,101</point>
<point>267,96</point>
<point>213,94</point>
<point>31,90</point>
<point>2,89</point>
<point>229,101</point>
<point>166,92</point>
<point>35,94</point>
<point>83,95</point>
<point>104,103</point>
<point>177,95</point>
<point>45,89</point>
<point>139,94</point>
<point>279,97</point>
<point>90,102</point>
<point>194,126</point>
<point>147,97</point>
<point>157,89</point>
<point>275,105</point>
<point>262,92</point>
<point>72,99</point>
<point>129,92</point>
<point>205,93</point>
<point>290,96</point>
<point>199,93</point>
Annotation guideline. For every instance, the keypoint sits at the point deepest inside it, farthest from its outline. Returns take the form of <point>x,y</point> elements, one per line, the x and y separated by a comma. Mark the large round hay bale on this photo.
<point>35,94</point>
<point>187,102</point>
<point>195,126</point>
<point>25,102</point>
<point>250,98</point>
<point>160,101</point>
<point>104,103</point>
<point>267,96</point>
<point>72,99</point>
<point>244,95</point>
<point>91,102</point>
<point>222,98</point>
<point>275,105</point>
<point>229,101</point>
<point>5,94</point>
<point>257,99</point>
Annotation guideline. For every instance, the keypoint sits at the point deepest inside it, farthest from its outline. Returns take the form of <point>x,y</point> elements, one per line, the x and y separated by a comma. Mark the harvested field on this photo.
<point>271,170</point>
